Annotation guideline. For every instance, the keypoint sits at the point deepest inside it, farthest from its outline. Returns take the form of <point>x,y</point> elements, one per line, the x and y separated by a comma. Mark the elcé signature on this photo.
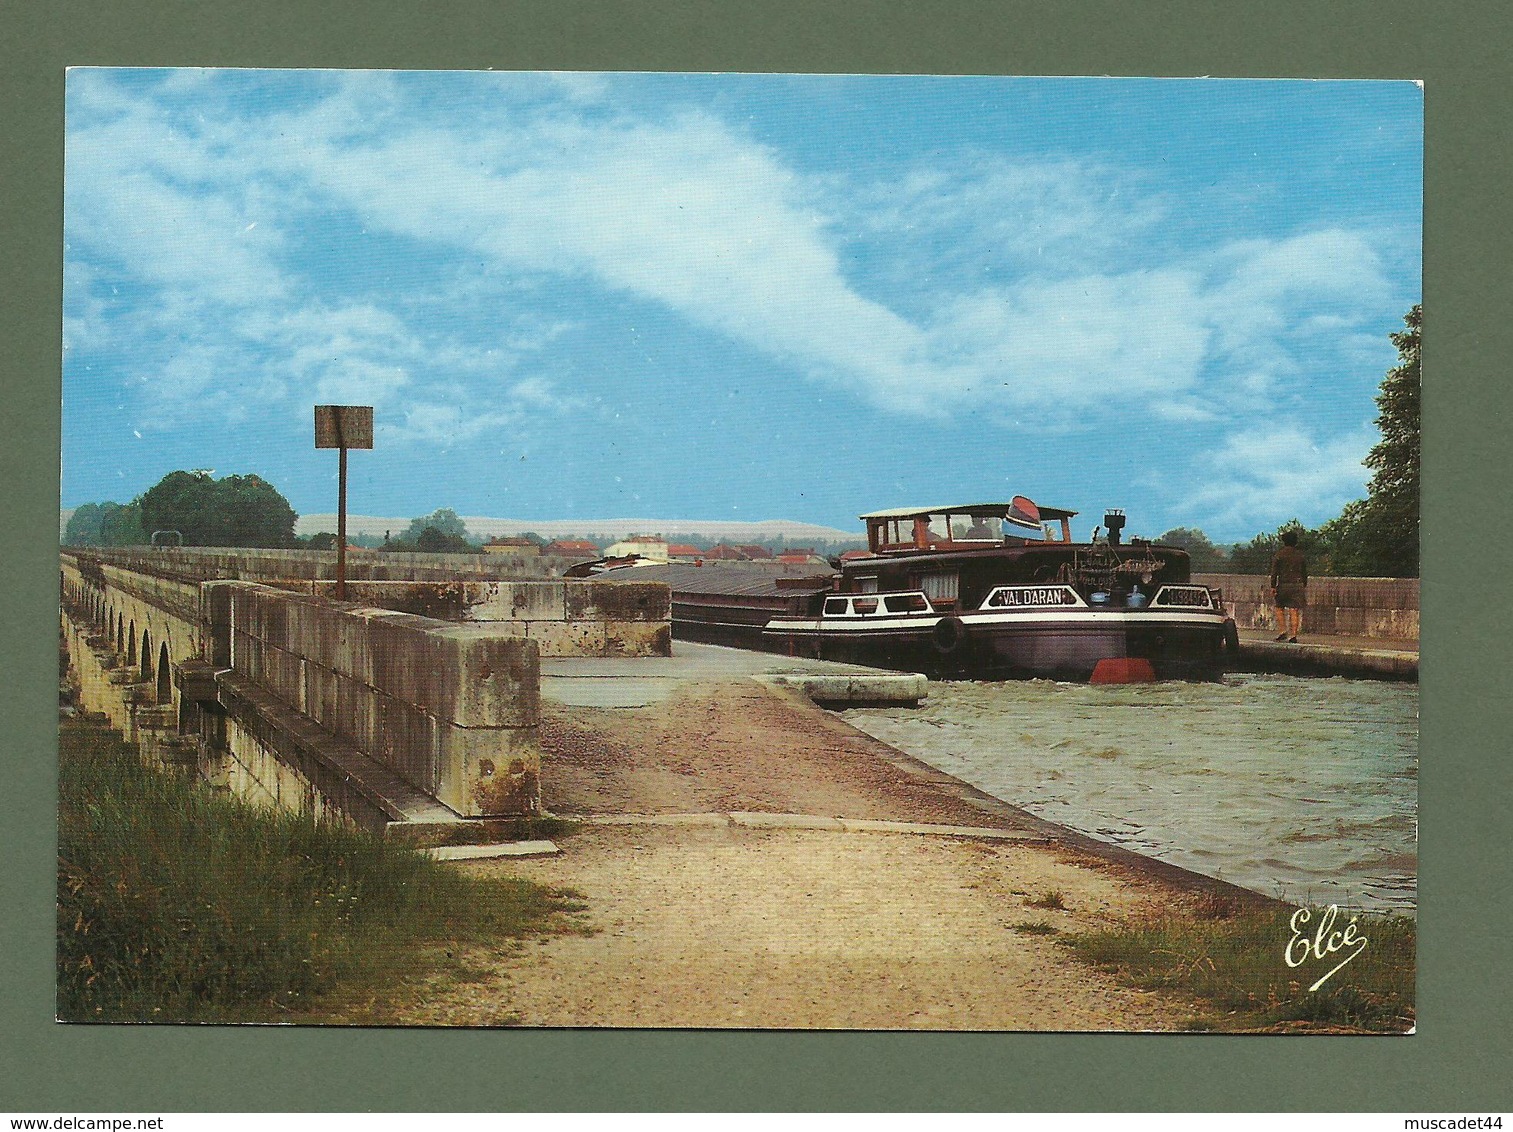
<point>1324,942</point>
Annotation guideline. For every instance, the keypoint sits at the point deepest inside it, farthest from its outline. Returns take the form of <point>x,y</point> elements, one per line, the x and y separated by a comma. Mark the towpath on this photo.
<point>1325,655</point>
<point>781,916</point>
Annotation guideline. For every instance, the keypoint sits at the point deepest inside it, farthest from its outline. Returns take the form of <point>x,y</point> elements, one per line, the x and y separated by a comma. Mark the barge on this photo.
<point>976,591</point>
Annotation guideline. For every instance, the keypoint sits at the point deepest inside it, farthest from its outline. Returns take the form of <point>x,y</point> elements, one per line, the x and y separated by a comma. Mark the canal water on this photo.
<point>1306,789</point>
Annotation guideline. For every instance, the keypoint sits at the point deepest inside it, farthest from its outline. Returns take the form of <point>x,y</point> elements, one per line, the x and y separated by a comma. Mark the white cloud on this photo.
<point>977,212</point>
<point>694,215</point>
<point>1263,473</point>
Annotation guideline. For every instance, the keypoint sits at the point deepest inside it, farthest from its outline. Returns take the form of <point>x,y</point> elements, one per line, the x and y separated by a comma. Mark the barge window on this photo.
<point>867,584</point>
<point>906,603</point>
<point>891,534</point>
<point>835,607</point>
<point>864,605</point>
<point>977,528</point>
<point>940,588</point>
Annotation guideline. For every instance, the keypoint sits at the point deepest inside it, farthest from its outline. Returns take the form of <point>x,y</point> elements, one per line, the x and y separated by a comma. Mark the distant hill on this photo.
<point>482,526</point>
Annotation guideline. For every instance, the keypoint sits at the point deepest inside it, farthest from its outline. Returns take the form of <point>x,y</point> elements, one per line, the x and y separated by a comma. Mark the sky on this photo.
<point>739,297</point>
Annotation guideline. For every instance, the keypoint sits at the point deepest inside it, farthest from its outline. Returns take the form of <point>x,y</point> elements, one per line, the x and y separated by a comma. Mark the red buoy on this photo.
<point>1123,670</point>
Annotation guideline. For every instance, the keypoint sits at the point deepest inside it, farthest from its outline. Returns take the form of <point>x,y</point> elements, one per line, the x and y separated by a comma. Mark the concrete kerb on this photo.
<point>1328,659</point>
<point>503,849</point>
<point>903,689</point>
<point>746,819</point>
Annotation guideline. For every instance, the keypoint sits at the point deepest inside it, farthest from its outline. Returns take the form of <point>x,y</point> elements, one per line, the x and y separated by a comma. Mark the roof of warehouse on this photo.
<point>745,581</point>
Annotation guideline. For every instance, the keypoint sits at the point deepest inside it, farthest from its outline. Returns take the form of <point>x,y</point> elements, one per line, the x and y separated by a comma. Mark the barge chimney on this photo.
<point>1113,519</point>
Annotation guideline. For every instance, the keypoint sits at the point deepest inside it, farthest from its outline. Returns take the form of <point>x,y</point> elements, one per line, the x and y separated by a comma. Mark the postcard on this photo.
<point>740,551</point>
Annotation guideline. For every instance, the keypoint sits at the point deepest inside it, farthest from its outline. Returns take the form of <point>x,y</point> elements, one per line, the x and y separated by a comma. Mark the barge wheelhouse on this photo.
<point>1000,590</point>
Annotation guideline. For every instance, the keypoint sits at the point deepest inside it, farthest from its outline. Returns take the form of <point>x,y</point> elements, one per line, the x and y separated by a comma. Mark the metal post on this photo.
<point>341,529</point>
<point>343,427</point>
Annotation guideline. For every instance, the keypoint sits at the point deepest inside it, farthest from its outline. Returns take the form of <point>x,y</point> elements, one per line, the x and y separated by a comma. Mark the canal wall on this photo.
<point>414,706</point>
<point>1371,608</point>
<point>564,616</point>
<point>450,710</point>
<point>252,564</point>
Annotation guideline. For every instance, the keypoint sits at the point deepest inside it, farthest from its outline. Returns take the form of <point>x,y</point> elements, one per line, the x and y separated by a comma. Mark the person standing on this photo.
<point>1289,587</point>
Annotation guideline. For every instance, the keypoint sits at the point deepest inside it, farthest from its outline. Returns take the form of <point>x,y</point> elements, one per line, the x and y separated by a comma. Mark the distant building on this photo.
<point>651,547</point>
<point>683,552</point>
<point>521,546</point>
<point>801,556</point>
<point>723,553</point>
<point>755,553</point>
<point>853,555</point>
<point>571,548</point>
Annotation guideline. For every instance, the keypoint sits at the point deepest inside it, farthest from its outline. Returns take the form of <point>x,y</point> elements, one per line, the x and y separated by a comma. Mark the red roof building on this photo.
<point>571,548</point>
<point>754,552</point>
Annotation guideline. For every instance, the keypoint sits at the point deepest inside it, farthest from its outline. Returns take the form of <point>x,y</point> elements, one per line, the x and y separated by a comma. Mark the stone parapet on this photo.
<point>251,564</point>
<point>1375,608</point>
<point>451,709</point>
<point>177,598</point>
<point>564,616</point>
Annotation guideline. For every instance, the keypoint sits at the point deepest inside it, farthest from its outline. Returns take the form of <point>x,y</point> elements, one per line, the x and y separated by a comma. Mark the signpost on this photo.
<point>343,427</point>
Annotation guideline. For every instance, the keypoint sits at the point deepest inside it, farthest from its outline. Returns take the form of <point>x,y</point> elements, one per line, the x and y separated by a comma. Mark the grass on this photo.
<point>1034,927</point>
<point>1053,899</point>
<point>177,903</point>
<point>1232,963</point>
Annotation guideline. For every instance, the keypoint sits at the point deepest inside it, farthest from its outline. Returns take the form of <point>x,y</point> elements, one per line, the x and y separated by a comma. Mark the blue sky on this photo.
<point>739,296</point>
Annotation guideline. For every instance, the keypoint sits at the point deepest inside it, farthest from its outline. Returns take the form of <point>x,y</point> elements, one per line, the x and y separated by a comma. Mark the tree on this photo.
<point>105,524</point>
<point>1378,536</point>
<point>1256,555</point>
<point>232,511</point>
<point>122,526</point>
<point>445,520</point>
<point>1205,556</point>
<point>84,525</point>
<point>433,540</point>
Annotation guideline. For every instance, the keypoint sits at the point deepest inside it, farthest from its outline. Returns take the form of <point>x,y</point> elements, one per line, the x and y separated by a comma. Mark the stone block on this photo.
<point>489,680</point>
<point>637,638</point>
<point>257,614</point>
<point>246,653</point>
<point>404,739</point>
<point>319,693</point>
<point>619,601</point>
<point>282,673</point>
<point>518,601</point>
<point>568,638</point>
<point>489,772</point>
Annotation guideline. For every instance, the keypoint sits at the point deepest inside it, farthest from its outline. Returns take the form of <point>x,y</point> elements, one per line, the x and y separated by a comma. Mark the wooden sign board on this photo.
<point>344,426</point>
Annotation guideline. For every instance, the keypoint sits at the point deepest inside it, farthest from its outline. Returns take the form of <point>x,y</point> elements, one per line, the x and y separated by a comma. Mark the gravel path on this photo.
<point>723,926</point>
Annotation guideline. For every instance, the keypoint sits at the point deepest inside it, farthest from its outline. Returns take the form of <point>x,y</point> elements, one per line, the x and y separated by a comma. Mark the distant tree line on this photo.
<point>105,524</point>
<point>192,508</point>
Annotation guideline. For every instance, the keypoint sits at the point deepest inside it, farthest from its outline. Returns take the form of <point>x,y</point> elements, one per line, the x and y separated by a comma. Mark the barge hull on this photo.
<point>1061,652</point>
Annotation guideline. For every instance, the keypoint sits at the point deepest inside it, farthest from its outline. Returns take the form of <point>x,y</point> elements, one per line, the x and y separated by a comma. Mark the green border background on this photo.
<point>1458,1059</point>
